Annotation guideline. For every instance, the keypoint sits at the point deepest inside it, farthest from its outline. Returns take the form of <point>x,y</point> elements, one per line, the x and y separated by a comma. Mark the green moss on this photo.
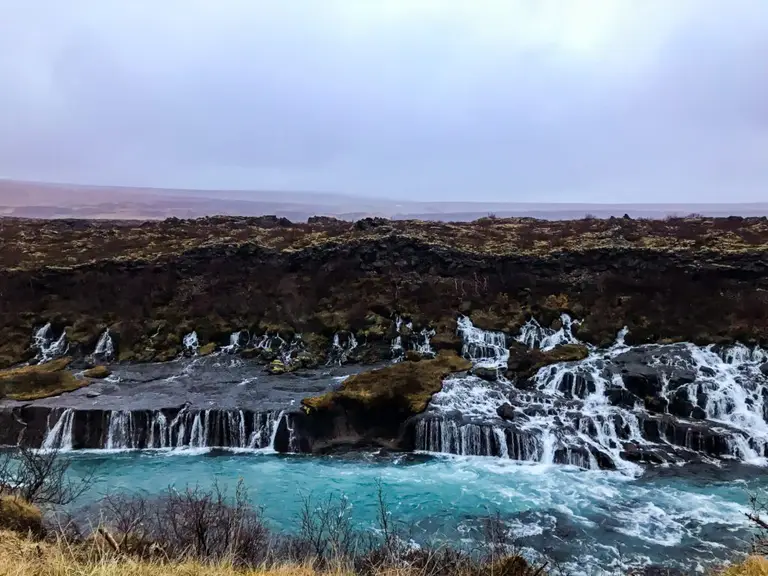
<point>207,349</point>
<point>413,382</point>
<point>97,372</point>
<point>39,381</point>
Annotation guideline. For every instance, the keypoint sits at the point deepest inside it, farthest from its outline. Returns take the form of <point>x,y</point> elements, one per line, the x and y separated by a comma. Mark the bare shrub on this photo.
<point>326,533</point>
<point>758,515</point>
<point>41,477</point>
<point>205,525</point>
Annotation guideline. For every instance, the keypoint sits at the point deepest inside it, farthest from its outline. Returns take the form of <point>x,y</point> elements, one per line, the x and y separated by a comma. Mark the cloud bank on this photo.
<point>517,100</point>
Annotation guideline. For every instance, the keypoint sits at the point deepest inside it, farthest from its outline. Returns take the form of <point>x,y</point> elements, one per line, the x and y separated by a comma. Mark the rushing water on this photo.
<point>594,521</point>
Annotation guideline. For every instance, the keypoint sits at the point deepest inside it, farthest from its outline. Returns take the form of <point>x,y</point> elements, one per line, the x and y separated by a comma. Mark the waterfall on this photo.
<point>419,342</point>
<point>120,430</point>
<point>618,406</point>
<point>422,345</point>
<point>187,428</point>
<point>105,348</point>
<point>273,435</point>
<point>340,353</point>
<point>533,335</point>
<point>59,437</point>
<point>191,344</point>
<point>482,347</point>
<point>48,347</point>
<point>235,341</point>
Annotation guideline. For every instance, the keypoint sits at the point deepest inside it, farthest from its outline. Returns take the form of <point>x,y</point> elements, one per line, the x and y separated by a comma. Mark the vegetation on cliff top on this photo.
<point>30,244</point>
<point>682,279</point>
<point>39,380</point>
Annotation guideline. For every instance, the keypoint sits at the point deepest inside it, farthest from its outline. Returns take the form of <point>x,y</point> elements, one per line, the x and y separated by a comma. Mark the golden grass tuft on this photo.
<point>39,381</point>
<point>752,566</point>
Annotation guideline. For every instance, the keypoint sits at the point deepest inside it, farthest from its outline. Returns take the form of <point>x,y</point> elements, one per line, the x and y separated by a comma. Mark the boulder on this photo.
<point>621,397</point>
<point>412,356</point>
<point>277,367</point>
<point>486,373</point>
<point>506,411</point>
<point>207,349</point>
<point>97,372</point>
<point>525,362</point>
<point>764,368</point>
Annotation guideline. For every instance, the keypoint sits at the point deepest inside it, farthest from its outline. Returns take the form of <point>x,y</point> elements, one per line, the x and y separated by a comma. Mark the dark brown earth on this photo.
<point>698,279</point>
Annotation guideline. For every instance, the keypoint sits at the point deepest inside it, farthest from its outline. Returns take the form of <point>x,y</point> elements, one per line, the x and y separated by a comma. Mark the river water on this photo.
<point>592,522</point>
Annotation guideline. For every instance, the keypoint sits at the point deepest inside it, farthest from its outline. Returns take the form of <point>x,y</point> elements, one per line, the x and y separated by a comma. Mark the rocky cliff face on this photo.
<point>696,280</point>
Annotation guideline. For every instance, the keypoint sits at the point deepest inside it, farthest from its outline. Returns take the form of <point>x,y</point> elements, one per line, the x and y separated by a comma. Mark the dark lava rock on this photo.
<point>656,404</point>
<point>764,369</point>
<point>698,413</point>
<point>486,373</point>
<point>506,411</point>
<point>370,223</point>
<point>643,382</point>
<point>621,397</point>
<point>707,371</point>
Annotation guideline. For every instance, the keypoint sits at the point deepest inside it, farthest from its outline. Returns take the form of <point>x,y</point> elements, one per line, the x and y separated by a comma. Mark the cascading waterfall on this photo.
<point>174,429</point>
<point>419,342</point>
<point>191,344</point>
<point>59,437</point>
<point>340,352</point>
<point>105,348</point>
<point>482,347</point>
<point>236,340</point>
<point>596,413</point>
<point>47,345</point>
<point>534,335</point>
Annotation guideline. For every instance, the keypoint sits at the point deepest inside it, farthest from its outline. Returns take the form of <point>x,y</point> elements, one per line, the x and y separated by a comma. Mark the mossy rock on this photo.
<point>97,372</point>
<point>18,515</point>
<point>412,383</point>
<point>207,349</point>
<point>39,381</point>
<point>277,367</point>
<point>524,362</point>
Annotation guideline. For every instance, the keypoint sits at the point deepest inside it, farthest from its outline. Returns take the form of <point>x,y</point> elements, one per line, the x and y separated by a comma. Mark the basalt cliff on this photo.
<point>590,342</point>
<point>687,279</point>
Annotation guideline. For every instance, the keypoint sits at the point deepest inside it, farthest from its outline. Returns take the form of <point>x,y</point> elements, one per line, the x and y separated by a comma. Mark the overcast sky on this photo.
<point>520,100</point>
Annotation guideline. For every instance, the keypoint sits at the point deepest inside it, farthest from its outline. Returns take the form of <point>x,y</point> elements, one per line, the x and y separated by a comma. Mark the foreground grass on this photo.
<point>752,566</point>
<point>20,556</point>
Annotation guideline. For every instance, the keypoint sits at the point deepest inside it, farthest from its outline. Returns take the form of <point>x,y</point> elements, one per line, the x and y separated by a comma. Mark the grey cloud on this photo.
<point>424,105</point>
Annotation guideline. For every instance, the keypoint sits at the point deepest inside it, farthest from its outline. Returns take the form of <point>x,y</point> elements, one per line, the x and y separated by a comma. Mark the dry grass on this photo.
<point>39,381</point>
<point>752,566</point>
<point>19,515</point>
<point>60,243</point>
<point>21,556</point>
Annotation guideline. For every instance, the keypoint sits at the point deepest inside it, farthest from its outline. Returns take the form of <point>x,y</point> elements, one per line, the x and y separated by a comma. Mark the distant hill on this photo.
<point>52,200</point>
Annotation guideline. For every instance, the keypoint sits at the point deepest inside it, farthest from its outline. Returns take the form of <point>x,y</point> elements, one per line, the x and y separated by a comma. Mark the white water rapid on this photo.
<point>618,407</point>
<point>48,346</point>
